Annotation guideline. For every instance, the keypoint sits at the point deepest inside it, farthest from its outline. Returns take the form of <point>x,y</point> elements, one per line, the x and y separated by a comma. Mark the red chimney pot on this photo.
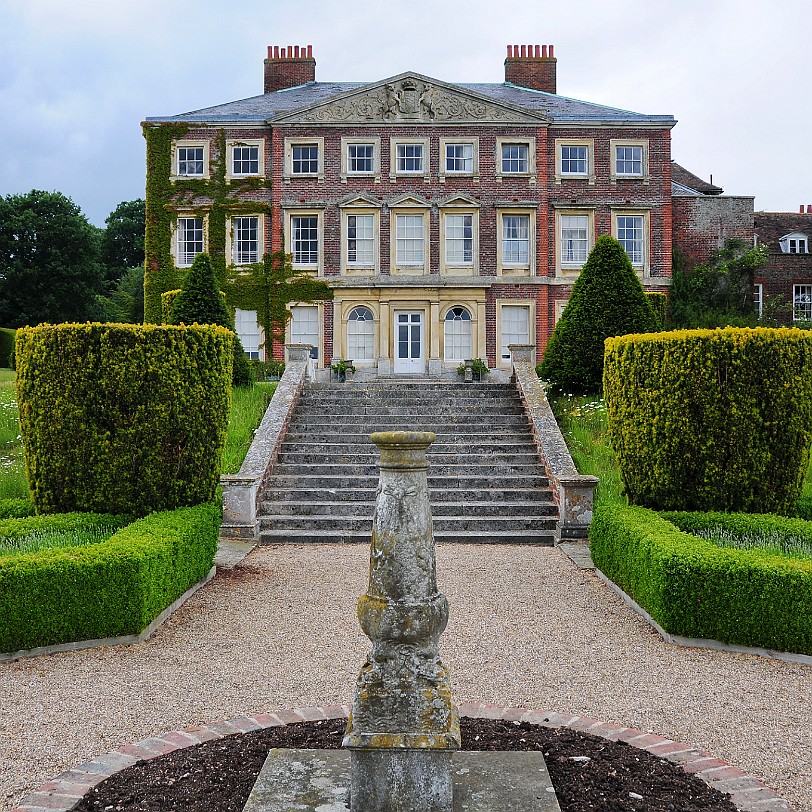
<point>289,66</point>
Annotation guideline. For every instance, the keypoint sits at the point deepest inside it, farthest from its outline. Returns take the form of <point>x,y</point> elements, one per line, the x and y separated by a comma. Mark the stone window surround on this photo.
<point>614,177</point>
<point>181,214</point>
<point>559,306</point>
<point>442,173</point>
<point>394,141</point>
<point>460,269</point>
<point>589,176</point>
<point>319,321</point>
<point>516,269</point>
<point>375,142</point>
<point>643,269</point>
<point>245,142</point>
<point>530,143</point>
<point>306,210</point>
<point>230,235</point>
<point>530,304</point>
<point>362,207</point>
<point>472,312</point>
<point>409,206</point>
<point>341,321</point>
<point>567,269</point>
<point>191,142</point>
<point>287,174</point>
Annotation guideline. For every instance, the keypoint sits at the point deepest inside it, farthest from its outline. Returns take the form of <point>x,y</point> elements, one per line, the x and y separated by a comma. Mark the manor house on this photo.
<point>450,219</point>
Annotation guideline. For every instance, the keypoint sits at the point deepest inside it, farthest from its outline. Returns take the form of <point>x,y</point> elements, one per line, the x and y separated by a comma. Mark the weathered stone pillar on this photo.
<point>403,726</point>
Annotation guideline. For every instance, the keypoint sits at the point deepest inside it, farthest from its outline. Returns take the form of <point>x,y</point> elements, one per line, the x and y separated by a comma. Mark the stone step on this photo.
<point>337,436</point>
<point>441,424</point>
<point>313,495</point>
<point>351,388</point>
<point>369,459</point>
<point>438,451</point>
<point>445,470</point>
<point>438,509</point>
<point>379,400</point>
<point>540,537</point>
<point>370,482</point>
<point>360,524</point>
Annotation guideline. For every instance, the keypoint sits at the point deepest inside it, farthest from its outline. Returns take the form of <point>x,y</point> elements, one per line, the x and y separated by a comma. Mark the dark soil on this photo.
<point>590,774</point>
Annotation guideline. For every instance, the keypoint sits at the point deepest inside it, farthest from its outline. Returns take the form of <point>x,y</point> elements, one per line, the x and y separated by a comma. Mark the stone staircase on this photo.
<point>485,480</point>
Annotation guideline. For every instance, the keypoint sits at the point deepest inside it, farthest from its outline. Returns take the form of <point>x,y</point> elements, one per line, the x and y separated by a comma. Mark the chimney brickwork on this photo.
<point>532,66</point>
<point>289,66</point>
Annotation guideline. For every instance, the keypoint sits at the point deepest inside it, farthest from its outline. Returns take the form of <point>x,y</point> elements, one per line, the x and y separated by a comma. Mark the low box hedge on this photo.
<point>114,588</point>
<point>15,508</point>
<point>693,588</point>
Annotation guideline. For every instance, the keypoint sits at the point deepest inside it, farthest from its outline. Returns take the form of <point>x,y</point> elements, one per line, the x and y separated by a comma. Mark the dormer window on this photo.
<point>795,243</point>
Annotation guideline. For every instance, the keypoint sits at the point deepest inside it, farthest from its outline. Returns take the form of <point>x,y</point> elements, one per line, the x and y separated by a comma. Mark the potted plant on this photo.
<point>475,369</point>
<point>340,367</point>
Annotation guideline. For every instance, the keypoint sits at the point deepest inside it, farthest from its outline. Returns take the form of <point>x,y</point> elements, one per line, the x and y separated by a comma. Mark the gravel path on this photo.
<point>527,628</point>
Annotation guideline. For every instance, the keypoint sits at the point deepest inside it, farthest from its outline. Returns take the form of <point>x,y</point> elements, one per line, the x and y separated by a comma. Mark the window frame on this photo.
<point>808,304</point>
<point>443,172</point>
<point>360,268</point>
<point>319,307</point>
<point>290,214</point>
<point>563,268</point>
<point>643,268</point>
<point>448,267</point>
<point>394,173</point>
<point>785,243</point>
<point>504,268</point>
<point>259,143</point>
<point>758,298</point>
<point>191,143</point>
<point>349,309</point>
<point>471,320</point>
<point>231,242</point>
<point>260,334</point>
<point>530,306</point>
<point>288,174</point>
<point>532,170</point>
<point>643,144</point>
<point>589,174</point>
<point>346,143</point>
<point>189,215</point>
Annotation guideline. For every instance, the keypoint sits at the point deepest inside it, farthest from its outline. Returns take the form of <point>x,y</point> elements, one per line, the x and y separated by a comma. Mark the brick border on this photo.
<point>64,792</point>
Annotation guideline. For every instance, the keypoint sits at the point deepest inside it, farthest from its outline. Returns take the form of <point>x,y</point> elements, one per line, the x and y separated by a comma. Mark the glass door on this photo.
<point>515,329</point>
<point>409,341</point>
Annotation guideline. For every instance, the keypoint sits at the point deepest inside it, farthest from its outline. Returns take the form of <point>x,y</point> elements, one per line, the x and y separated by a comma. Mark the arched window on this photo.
<point>361,335</point>
<point>458,334</point>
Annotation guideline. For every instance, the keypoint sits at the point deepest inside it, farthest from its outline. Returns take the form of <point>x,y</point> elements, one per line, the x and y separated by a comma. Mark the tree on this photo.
<point>123,239</point>
<point>125,303</point>
<point>200,301</point>
<point>607,300</point>
<point>49,260</point>
<point>271,286</point>
<point>718,293</point>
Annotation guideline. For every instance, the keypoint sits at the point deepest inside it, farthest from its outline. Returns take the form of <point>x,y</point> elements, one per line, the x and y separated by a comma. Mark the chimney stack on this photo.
<point>289,67</point>
<point>531,66</point>
<point>808,209</point>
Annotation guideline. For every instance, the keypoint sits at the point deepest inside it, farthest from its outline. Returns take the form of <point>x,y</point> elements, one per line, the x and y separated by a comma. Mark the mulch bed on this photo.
<point>590,774</point>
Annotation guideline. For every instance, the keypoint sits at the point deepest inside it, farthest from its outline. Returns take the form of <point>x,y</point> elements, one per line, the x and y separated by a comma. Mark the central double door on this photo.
<point>410,342</point>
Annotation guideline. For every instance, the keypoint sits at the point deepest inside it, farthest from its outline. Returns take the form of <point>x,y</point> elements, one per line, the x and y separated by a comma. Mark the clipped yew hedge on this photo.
<point>693,588</point>
<point>711,419</point>
<point>111,589</point>
<point>6,345</point>
<point>120,418</point>
<point>659,304</point>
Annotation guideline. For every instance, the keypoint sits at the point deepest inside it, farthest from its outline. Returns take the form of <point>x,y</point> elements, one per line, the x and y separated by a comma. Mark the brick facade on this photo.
<point>703,223</point>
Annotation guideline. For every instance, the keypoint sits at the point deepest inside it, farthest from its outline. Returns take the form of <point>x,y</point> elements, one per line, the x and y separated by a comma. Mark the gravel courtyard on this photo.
<point>527,628</point>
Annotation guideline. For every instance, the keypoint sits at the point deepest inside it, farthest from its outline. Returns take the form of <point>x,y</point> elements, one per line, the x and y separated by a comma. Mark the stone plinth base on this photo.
<point>310,780</point>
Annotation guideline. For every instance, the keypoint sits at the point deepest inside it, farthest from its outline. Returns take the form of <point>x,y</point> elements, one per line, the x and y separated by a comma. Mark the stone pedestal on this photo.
<point>403,726</point>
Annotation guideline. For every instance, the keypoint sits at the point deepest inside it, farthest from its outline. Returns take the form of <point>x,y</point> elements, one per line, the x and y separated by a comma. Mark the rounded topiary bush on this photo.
<point>607,300</point>
<point>711,419</point>
<point>122,418</point>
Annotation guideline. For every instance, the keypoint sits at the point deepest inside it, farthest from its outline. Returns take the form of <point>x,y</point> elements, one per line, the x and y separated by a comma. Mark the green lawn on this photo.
<point>248,405</point>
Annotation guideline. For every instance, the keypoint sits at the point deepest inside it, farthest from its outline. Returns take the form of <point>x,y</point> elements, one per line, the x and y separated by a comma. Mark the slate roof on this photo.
<point>259,109</point>
<point>772,225</point>
<point>680,175</point>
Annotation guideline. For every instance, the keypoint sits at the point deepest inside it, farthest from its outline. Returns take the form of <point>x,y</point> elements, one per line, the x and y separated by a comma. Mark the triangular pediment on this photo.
<point>408,201</point>
<point>460,200</point>
<point>360,200</point>
<point>411,98</point>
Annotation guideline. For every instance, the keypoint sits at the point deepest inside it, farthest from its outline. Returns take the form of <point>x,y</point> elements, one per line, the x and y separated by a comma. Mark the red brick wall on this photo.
<point>702,225</point>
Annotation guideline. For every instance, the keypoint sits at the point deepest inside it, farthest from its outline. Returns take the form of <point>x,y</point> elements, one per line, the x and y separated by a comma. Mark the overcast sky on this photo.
<point>78,76</point>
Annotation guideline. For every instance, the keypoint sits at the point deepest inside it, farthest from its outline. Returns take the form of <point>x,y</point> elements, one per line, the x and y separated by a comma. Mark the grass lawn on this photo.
<point>248,405</point>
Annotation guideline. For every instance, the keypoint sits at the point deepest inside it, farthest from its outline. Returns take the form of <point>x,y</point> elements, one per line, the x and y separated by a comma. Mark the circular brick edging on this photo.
<point>64,792</point>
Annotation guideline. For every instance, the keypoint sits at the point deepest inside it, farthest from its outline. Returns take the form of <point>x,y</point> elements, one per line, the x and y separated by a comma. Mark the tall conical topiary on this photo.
<point>607,300</point>
<point>200,301</point>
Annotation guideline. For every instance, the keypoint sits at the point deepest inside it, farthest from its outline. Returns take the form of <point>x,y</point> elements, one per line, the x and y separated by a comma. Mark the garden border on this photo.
<point>64,792</point>
<point>123,640</point>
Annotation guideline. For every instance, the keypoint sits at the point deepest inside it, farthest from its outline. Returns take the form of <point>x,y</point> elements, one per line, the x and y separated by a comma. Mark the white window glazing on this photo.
<point>459,239</point>
<point>630,236</point>
<point>360,239</point>
<point>515,159</point>
<point>361,334</point>
<point>758,298</point>
<point>245,160</point>
<point>190,161</point>
<point>574,160</point>
<point>247,327</point>
<point>190,240</point>
<point>360,159</point>
<point>574,239</point>
<point>516,239</point>
<point>515,327</point>
<point>458,334</point>
<point>802,302</point>
<point>797,246</point>
<point>410,158</point>
<point>629,160</point>
<point>459,158</point>
<point>305,239</point>
<point>304,325</point>
<point>244,240</point>
<point>305,159</point>
<point>410,239</point>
